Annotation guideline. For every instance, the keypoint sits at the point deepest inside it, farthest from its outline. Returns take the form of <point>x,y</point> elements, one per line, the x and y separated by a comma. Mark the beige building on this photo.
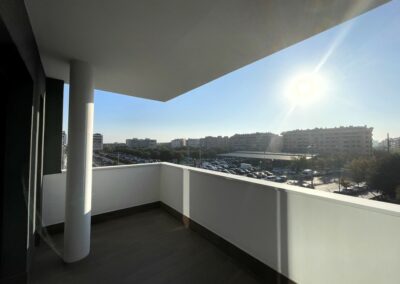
<point>393,145</point>
<point>339,140</point>
<point>210,142</point>
<point>193,142</point>
<point>141,143</point>
<point>178,143</point>
<point>256,142</point>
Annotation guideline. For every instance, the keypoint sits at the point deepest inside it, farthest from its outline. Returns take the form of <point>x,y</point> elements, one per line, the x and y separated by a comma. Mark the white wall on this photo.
<point>310,236</point>
<point>339,242</point>
<point>171,186</point>
<point>113,188</point>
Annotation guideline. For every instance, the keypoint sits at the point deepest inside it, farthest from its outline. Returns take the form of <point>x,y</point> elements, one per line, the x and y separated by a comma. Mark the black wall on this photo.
<point>22,84</point>
<point>53,126</point>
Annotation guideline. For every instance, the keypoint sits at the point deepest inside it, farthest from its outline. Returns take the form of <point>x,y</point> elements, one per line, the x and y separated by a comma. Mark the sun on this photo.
<point>306,88</point>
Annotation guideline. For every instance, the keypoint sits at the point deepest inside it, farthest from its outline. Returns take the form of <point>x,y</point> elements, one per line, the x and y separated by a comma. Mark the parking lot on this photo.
<point>307,178</point>
<point>101,159</point>
<point>275,174</point>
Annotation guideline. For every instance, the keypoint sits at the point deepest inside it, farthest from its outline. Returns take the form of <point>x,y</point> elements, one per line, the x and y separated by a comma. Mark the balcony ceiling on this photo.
<point>160,49</point>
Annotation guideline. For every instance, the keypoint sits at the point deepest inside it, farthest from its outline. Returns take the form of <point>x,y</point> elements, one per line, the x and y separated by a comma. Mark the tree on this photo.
<point>178,156</point>
<point>165,155</point>
<point>385,175</point>
<point>195,153</point>
<point>299,164</point>
<point>344,183</point>
<point>359,169</point>
<point>319,163</point>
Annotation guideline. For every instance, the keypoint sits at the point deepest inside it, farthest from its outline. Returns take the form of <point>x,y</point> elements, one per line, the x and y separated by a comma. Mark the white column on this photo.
<point>78,200</point>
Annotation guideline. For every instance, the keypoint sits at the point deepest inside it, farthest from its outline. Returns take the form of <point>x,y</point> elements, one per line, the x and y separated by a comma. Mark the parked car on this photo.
<point>308,185</point>
<point>280,178</point>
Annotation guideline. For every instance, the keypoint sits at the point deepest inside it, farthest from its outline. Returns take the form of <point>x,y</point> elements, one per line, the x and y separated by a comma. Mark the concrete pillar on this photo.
<point>78,200</point>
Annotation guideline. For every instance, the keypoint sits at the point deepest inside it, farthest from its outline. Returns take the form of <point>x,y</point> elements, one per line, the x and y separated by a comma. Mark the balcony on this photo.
<point>160,50</point>
<point>165,223</point>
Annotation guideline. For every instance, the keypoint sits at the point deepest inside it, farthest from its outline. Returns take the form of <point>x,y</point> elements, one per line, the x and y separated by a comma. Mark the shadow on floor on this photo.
<point>147,247</point>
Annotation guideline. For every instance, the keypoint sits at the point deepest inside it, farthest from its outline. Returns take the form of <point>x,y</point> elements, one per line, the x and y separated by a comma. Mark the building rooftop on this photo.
<point>265,155</point>
<point>352,128</point>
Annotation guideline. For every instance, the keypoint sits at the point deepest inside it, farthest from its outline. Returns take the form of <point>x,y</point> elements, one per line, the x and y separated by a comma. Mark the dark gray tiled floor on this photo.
<point>147,247</point>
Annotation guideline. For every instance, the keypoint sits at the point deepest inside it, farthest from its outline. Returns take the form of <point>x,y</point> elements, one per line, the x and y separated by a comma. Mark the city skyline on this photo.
<point>229,136</point>
<point>361,89</point>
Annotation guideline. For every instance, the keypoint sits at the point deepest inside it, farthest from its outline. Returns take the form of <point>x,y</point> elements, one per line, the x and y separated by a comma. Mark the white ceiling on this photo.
<point>159,49</point>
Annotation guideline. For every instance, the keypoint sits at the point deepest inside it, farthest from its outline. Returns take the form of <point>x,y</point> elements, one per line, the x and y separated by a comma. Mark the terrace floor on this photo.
<point>146,247</point>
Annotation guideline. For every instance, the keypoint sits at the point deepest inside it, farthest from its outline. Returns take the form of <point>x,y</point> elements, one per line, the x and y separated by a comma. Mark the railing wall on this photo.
<point>307,235</point>
<point>114,188</point>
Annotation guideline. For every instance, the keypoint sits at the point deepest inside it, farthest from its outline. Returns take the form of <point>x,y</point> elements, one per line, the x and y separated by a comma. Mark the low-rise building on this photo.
<point>141,143</point>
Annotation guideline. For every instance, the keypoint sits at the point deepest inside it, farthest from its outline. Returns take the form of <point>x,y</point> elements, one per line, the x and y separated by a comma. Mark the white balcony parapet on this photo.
<point>307,235</point>
<point>114,188</point>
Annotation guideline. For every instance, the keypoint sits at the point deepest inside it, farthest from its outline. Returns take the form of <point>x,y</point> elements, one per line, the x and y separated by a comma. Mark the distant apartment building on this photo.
<point>210,142</point>
<point>339,140</point>
<point>194,143</point>
<point>393,145</point>
<point>178,143</point>
<point>164,144</point>
<point>141,143</point>
<point>256,142</point>
<point>63,150</point>
<point>64,138</point>
<point>97,142</point>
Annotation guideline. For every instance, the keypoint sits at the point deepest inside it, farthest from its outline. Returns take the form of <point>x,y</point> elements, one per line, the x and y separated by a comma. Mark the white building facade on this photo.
<point>194,143</point>
<point>177,143</point>
<point>97,142</point>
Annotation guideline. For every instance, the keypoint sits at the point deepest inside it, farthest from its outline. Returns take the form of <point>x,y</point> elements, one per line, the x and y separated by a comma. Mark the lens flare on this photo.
<point>306,88</point>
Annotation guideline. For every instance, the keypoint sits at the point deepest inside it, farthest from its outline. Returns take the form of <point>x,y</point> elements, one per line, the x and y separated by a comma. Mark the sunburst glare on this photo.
<point>306,89</point>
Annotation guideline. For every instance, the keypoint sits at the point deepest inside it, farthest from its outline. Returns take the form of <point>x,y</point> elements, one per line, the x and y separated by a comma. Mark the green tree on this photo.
<point>178,155</point>
<point>359,169</point>
<point>385,175</point>
<point>195,153</point>
<point>165,154</point>
<point>300,164</point>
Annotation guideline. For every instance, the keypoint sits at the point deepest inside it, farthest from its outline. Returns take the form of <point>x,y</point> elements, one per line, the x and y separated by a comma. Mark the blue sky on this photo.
<point>358,60</point>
